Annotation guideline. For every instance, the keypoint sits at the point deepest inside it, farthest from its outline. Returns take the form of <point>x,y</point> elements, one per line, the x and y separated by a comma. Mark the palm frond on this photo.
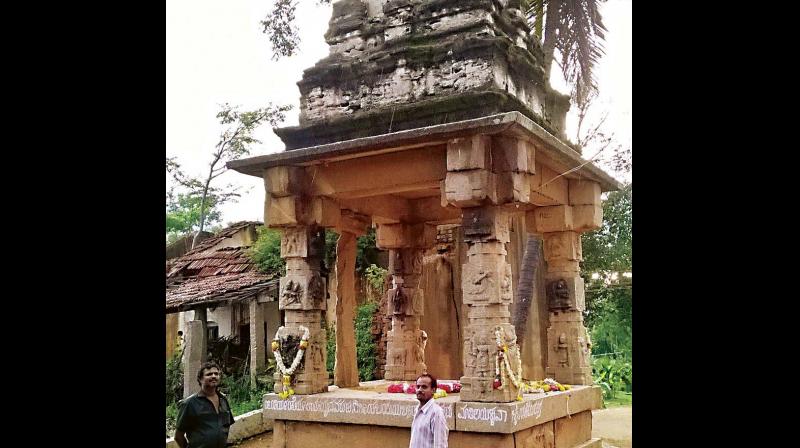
<point>580,34</point>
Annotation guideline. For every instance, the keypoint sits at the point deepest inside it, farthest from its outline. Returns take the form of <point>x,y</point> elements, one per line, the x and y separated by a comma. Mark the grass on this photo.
<point>621,399</point>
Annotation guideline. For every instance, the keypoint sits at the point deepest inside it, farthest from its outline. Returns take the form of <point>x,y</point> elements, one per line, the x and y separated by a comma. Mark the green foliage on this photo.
<point>172,417</point>
<point>279,26</point>
<point>266,251</point>
<point>376,276</point>
<point>234,142</point>
<point>174,390</point>
<point>367,251</point>
<point>331,349</point>
<point>609,297</point>
<point>366,349</point>
<point>376,279</point>
<point>174,378</point>
<point>183,213</point>
<point>242,398</point>
<point>613,375</point>
<point>608,249</point>
<point>331,239</point>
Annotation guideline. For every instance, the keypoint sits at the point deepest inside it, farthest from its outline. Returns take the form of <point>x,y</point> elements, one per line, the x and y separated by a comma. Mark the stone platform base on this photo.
<point>357,418</point>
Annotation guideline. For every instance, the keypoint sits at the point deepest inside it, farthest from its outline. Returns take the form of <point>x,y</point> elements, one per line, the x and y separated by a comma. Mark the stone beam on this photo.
<point>290,211</point>
<point>397,172</point>
<point>399,236</point>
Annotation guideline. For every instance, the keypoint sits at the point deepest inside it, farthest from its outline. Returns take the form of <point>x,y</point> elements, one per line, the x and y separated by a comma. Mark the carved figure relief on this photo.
<point>417,302</point>
<point>470,355</point>
<point>478,283</point>
<point>506,294</point>
<point>316,292</point>
<point>398,300</point>
<point>562,348</point>
<point>418,349</point>
<point>397,358</point>
<point>291,293</point>
<point>558,295</point>
<point>293,243</point>
<point>482,366</point>
<point>315,357</point>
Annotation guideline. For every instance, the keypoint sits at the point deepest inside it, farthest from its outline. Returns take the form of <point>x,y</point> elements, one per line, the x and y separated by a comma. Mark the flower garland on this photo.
<point>287,373</point>
<point>503,366</point>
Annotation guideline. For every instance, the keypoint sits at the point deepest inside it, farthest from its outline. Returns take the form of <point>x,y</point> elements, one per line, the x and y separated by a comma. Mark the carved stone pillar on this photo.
<point>568,342</point>
<point>302,298</point>
<point>405,342</point>
<point>488,292</point>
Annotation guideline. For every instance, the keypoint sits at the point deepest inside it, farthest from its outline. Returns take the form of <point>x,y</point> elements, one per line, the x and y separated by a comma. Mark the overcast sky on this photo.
<point>216,53</point>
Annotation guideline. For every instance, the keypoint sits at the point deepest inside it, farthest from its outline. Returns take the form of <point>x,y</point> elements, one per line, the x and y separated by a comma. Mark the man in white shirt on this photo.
<point>429,428</point>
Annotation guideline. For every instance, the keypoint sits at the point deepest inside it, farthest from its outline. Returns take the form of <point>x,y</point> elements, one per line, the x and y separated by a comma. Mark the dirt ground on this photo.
<point>613,425</point>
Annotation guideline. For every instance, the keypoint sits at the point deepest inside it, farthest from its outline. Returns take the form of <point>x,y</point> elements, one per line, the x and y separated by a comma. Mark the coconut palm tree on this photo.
<point>575,28</point>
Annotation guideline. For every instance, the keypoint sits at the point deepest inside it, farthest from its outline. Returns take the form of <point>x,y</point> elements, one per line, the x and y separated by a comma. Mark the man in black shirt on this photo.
<point>205,417</point>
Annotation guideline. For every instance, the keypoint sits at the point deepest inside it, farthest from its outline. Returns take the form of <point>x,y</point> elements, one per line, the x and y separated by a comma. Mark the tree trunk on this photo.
<point>527,275</point>
<point>549,41</point>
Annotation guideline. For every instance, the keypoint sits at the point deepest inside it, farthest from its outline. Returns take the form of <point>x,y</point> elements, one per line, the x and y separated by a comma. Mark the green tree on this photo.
<point>183,213</point>
<point>573,30</point>
<point>235,141</point>
<point>266,251</point>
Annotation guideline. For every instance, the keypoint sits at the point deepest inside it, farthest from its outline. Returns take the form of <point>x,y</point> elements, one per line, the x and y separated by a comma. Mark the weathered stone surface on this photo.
<point>513,154</point>
<point>285,180</point>
<point>540,436</point>
<point>258,349</point>
<point>565,293</point>
<point>574,430</point>
<point>487,279</point>
<point>325,212</point>
<point>587,217</point>
<point>569,352</point>
<point>553,219</point>
<point>513,187</point>
<point>349,407</point>
<point>405,342</point>
<point>584,192</point>
<point>294,242</point>
<point>562,268</point>
<point>470,188</point>
<point>551,189</point>
<point>562,246</point>
<point>398,236</point>
<point>485,224</point>
<point>412,64</point>
<point>534,410</point>
<point>397,410</point>
<point>194,355</point>
<point>302,292</point>
<point>283,211</point>
<point>345,371</point>
<point>469,153</point>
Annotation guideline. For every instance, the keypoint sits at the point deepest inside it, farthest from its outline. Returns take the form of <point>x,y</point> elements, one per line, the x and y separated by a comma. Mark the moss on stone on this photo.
<point>463,106</point>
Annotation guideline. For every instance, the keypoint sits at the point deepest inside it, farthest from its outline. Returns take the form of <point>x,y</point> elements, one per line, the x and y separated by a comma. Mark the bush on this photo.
<point>613,375</point>
<point>366,349</point>
<point>266,252</point>
<point>174,378</point>
<point>376,279</point>
<point>241,397</point>
<point>331,349</point>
